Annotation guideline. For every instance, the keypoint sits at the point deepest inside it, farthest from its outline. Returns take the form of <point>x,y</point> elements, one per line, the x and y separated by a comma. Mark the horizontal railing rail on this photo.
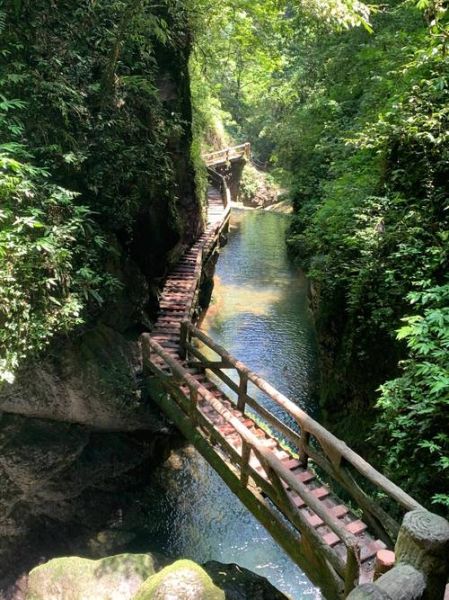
<point>228,154</point>
<point>327,452</point>
<point>201,260</point>
<point>190,393</point>
<point>220,181</point>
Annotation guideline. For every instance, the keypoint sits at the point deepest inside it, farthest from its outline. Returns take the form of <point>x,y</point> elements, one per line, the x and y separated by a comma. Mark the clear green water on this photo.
<point>259,313</point>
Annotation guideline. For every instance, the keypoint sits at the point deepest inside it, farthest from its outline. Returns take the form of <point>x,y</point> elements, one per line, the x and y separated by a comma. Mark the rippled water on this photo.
<point>259,313</point>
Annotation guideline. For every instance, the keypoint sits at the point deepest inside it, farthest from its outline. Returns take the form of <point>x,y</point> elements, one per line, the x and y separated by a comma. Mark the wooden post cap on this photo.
<point>423,542</point>
<point>385,560</point>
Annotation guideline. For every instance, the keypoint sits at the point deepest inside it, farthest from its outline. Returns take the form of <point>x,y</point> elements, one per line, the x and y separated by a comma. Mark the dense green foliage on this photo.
<point>354,121</point>
<point>48,270</point>
<point>241,64</point>
<point>415,416</point>
<point>369,173</point>
<point>95,108</point>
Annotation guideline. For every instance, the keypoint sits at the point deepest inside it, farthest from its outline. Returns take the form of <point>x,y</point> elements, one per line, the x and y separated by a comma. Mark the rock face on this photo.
<point>93,380</point>
<point>144,577</point>
<point>67,488</point>
<point>76,435</point>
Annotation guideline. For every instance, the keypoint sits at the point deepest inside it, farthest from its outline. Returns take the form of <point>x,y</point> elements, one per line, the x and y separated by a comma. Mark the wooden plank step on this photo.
<point>291,463</point>
<point>356,527</point>
<point>319,493</point>
<point>304,476</point>
<point>248,423</point>
<point>313,519</point>
<point>168,344</point>
<point>339,511</point>
<point>281,454</point>
<point>226,429</point>
<point>259,432</point>
<point>331,539</point>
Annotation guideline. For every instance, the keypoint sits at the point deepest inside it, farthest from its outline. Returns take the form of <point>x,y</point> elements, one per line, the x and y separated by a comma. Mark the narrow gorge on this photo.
<point>224,300</point>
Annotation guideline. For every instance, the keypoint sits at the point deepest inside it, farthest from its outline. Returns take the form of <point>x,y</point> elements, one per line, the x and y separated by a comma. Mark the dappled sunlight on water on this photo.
<point>230,300</point>
<point>258,313</point>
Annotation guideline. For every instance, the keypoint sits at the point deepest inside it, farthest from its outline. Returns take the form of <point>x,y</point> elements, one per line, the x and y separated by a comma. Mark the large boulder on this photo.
<point>73,578</point>
<point>183,580</point>
<point>145,577</point>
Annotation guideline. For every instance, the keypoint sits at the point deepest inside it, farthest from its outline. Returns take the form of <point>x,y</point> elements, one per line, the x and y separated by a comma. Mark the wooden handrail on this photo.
<point>349,540</point>
<point>335,448</point>
<point>226,154</point>
<point>224,188</point>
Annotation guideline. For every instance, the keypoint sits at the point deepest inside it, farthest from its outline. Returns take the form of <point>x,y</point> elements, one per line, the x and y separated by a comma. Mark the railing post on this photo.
<point>193,403</point>
<point>184,337</point>
<point>243,391</point>
<point>423,542</point>
<point>352,573</point>
<point>246,453</point>
<point>302,450</point>
<point>146,353</point>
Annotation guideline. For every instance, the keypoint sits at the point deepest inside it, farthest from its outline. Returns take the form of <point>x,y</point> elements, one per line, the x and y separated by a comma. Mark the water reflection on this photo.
<point>259,313</point>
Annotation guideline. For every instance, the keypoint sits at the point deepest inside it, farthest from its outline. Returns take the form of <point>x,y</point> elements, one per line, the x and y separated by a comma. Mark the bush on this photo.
<point>49,250</point>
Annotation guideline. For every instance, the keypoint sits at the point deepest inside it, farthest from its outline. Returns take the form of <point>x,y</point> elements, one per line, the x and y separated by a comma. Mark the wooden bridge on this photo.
<point>227,155</point>
<point>324,504</point>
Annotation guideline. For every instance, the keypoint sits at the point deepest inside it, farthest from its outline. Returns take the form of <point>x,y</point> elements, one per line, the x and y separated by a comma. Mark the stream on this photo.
<point>259,312</point>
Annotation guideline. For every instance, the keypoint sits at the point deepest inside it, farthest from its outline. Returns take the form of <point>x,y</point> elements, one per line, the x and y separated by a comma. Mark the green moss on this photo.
<point>187,579</point>
<point>74,578</point>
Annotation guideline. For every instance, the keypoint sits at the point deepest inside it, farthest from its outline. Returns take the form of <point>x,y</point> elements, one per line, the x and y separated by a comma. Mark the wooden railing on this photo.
<point>277,477</point>
<point>219,181</point>
<point>228,154</point>
<point>203,257</point>
<point>310,441</point>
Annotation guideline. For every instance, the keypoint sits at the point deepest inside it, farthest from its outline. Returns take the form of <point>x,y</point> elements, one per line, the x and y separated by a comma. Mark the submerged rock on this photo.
<point>73,578</point>
<point>183,580</point>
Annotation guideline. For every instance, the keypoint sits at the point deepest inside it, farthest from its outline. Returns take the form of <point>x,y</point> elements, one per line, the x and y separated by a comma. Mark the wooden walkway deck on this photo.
<point>179,295</point>
<point>271,464</point>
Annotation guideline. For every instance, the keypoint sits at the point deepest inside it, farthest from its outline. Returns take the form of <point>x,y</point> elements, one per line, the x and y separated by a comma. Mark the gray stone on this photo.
<point>241,584</point>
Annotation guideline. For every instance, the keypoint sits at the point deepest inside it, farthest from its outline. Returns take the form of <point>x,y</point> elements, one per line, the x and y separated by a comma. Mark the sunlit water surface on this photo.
<point>259,313</point>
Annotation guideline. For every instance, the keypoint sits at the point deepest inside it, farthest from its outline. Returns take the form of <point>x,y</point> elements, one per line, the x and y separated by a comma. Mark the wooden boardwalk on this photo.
<point>283,470</point>
<point>179,295</point>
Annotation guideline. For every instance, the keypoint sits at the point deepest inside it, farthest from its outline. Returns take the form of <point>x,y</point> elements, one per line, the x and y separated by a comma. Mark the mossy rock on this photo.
<point>183,580</point>
<point>114,578</point>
